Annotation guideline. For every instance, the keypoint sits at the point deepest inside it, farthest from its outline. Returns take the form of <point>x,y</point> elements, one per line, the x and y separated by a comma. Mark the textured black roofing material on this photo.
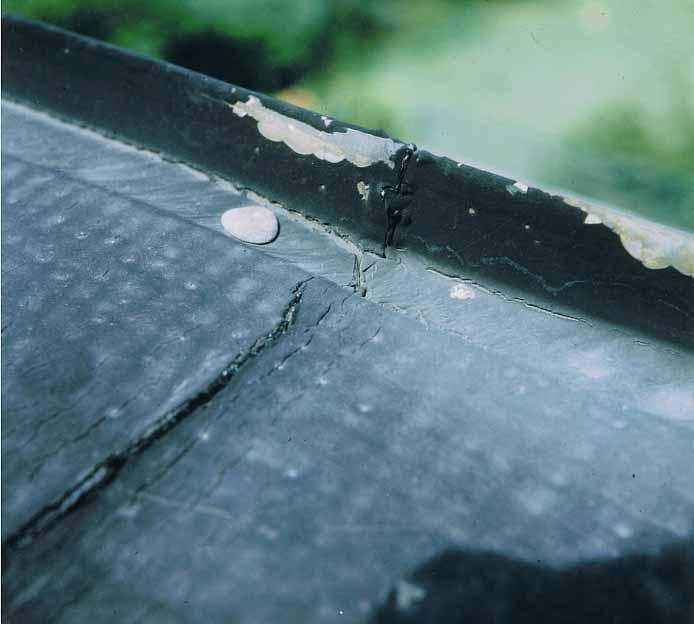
<point>197,430</point>
<point>131,310</point>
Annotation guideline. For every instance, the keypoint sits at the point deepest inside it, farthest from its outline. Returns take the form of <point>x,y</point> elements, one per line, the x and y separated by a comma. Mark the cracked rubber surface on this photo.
<point>113,315</point>
<point>343,456</point>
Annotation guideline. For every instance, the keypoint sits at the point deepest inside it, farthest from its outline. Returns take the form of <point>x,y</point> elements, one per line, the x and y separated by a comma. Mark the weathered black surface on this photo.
<point>342,456</point>
<point>303,449</point>
<point>112,318</point>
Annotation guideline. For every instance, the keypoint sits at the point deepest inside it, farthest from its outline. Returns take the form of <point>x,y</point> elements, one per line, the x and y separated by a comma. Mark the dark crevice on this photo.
<point>397,198</point>
<point>103,473</point>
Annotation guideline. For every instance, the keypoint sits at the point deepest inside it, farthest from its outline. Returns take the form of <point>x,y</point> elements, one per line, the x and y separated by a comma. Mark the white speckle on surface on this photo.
<point>472,212</point>
<point>517,187</point>
<point>461,292</point>
<point>251,224</point>
<point>377,339</point>
<point>359,148</point>
<point>268,532</point>
<point>129,510</point>
<point>44,255</point>
<point>363,190</point>
<point>559,479</point>
<point>591,364</point>
<point>655,245</point>
<point>407,595</point>
<point>291,473</point>
<point>623,530</point>
<point>326,120</point>
<point>113,412</point>
<point>537,501</point>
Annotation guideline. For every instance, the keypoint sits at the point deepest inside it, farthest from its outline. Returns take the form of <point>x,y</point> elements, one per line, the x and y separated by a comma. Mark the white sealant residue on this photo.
<point>592,219</point>
<point>461,292</point>
<point>655,245</point>
<point>517,187</point>
<point>359,148</point>
<point>363,190</point>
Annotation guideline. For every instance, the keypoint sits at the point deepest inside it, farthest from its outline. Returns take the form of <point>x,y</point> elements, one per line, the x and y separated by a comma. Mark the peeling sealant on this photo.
<point>655,245</point>
<point>517,187</point>
<point>359,148</point>
<point>363,190</point>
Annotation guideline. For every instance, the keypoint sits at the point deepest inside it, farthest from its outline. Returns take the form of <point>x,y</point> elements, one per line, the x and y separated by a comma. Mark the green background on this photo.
<point>595,97</point>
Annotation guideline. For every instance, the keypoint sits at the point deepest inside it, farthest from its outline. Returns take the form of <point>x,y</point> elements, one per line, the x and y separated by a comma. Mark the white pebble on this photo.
<point>251,224</point>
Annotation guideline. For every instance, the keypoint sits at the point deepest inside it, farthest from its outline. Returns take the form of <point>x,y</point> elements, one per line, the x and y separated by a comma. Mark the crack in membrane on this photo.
<point>103,473</point>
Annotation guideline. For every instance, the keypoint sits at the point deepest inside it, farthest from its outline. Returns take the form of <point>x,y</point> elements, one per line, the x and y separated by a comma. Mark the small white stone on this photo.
<point>251,224</point>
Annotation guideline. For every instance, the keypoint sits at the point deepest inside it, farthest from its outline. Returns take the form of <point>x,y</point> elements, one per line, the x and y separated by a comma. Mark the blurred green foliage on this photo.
<point>147,26</point>
<point>291,32</point>
<point>641,155</point>
<point>594,95</point>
